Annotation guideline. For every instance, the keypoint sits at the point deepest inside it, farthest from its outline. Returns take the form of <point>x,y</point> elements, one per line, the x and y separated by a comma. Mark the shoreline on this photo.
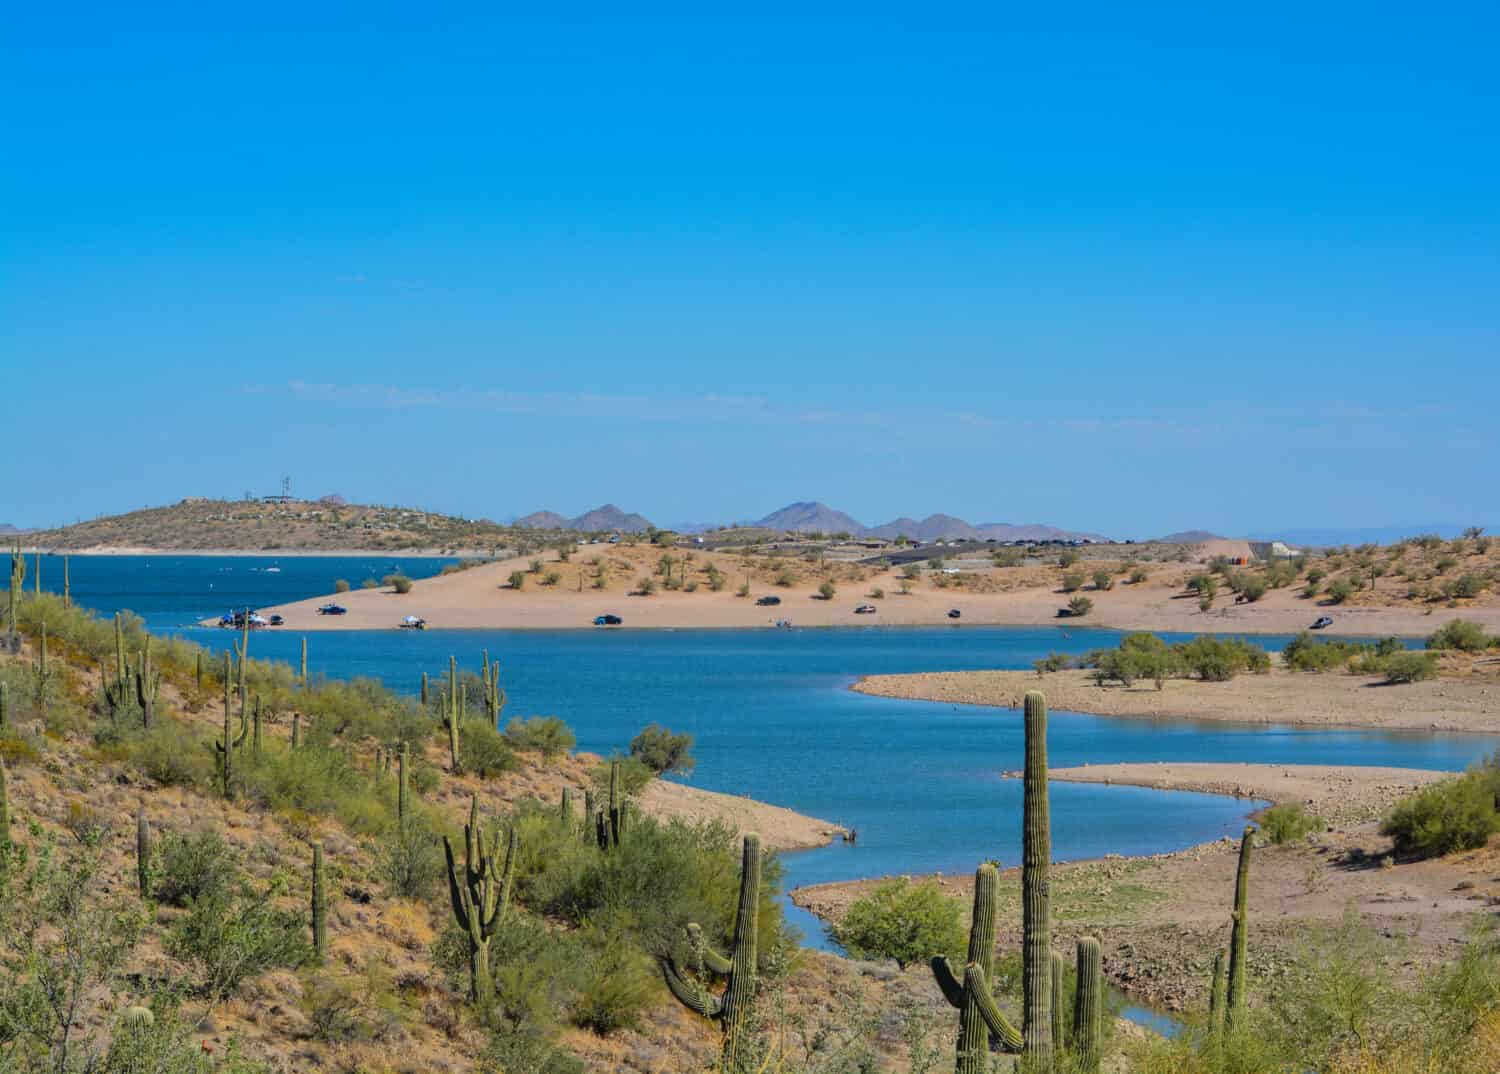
<point>1468,705</point>
<point>1162,917</point>
<point>107,551</point>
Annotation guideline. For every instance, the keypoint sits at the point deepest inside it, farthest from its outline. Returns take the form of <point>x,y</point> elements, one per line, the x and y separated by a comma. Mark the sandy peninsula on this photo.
<point>1161,918</point>
<point>1278,697</point>
<point>482,598</point>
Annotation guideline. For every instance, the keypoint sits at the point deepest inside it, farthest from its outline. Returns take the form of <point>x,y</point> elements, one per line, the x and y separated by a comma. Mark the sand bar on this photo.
<point>1278,697</point>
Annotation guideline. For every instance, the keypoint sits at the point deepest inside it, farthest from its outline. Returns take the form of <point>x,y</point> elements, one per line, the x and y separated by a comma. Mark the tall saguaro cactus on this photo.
<point>730,1009</point>
<point>67,585</point>
<point>1216,996</point>
<point>142,851</point>
<point>609,825</point>
<point>451,714</point>
<point>480,894</point>
<point>147,685</point>
<point>42,671</point>
<point>230,743</point>
<point>1036,891</point>
<point>17,579</point>
<point>302,675</point>
<point>978,1015</point>
<point>1238,939</point>
<point>494,696</point>
<point>403,760</point>
<point>319,906</point>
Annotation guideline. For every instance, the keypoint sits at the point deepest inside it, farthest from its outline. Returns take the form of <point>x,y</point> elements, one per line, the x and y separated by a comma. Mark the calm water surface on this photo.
<point>774,718</point>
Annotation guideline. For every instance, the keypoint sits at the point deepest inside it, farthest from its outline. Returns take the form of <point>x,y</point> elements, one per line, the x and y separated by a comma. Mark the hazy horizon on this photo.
<point>1101,269</point>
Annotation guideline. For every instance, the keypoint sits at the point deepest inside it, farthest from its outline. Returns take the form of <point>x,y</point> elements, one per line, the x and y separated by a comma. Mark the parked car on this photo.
<point>954,613</point>
<point>333,609</point>
<point>766,602</point>
<point>607,620</point>
<point>276,620</point>
<point>1323,621</point>
<point>413,622</point>
<point>865,609</point>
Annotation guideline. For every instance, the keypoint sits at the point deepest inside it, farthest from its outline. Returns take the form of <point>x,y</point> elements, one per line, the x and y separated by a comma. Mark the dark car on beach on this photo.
<point>333,609</point>
<point>766,602</point>
<point>607,620</point>
<point>1322,622</point>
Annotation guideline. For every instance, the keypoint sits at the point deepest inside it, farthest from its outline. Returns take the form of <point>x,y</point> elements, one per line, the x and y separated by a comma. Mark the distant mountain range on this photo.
<point>608,517</point>
<point>809,516</point>
<point>8,529</point>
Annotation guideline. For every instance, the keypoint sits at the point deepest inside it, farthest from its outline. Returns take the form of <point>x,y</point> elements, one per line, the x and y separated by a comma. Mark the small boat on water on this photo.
<point>273,569</point>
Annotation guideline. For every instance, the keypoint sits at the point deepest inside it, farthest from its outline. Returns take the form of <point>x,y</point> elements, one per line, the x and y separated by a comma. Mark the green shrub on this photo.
<point>634,775</point>
<point>1053,662</point>
<point>1072,581</point>
<point>1456,814</point>
<point>619,988</point>
<point>341,585</point>
<point>1080,606</point>
<point>169,754</point>
<point>662,750</point>
<point>229,940</point>
<point>826,590</point>
<point>547,735</point>
<point>1102,580</point>
<point>1067,559</point>
<point>1137,576</point>
<point>1459,634</point>
<point>369,583</point>
<point>551,578</point>
<point>409,862</point>
<point>1307,653</point>
<point>1215,659</point>
<point>904,920</point>
<point>193,866</point>
<point>516,580</point>
<point>1288,822</point>
<point>399,582</point>
<point>1252,587</point>
<point>1340,590</point>
<point>1410,667</point>
<point>484,751</point>
<point>511,1050</point>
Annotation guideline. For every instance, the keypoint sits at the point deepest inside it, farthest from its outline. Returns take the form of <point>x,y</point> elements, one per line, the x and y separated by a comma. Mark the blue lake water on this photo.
<point>774,718</point>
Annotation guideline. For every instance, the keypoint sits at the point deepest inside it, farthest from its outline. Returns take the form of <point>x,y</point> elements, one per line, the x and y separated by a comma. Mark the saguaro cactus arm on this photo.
<point>977,985</point>
<point>690,995</point>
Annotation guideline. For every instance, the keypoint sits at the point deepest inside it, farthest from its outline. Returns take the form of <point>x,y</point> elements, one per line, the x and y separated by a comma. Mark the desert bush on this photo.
<point>516,580</point>
<point>826,590</point>
<point>785,578</point>
<point>621,985</point>
<point>1252,587</point>
<point>1080,606</point>
<point>1410,667</point>
<point>534,567</point>
<point>1307,653</point>
<point>876,593</point>
<point>1340,590</point>
<point>341,585</point>
<point>409,863</point>
<point>1007,557</point>
<point>1456,814</point>
<point>634,775</point>
<point>909,921</point>
<point>369,583</point>
<point>1137,576</point>
<point>547,735</point>
<point>551,577</point>
<point>662,750</point>
<point>399,582</point>
<point>1288,822</point>
<point>483,750</point>
<point>511,1050</point>
<point>646,586</point>
<point>743,590</point>
<point>228,940</point>
<point>194,865</point>
<point>1067,559</point>
<point>1072,581</point>
<point>1102,580</point>
<point>1052,662</point>
<point>1215,659</point>
<point>1459,634</point>
<point>317,779</point>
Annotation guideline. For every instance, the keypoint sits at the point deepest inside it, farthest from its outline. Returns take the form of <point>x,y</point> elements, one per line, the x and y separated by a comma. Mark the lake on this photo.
<point>774,719</point>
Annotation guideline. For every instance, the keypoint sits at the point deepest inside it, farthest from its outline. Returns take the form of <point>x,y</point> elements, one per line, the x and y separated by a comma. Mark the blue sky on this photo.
<point>1126,269</point>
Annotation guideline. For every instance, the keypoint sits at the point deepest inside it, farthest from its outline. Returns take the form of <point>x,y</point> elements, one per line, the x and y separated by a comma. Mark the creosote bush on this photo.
<point>1456,814</point>
<point>663,750</point>
<point>909,921</point>
<point>547,735</point>
<point>1289,822</point>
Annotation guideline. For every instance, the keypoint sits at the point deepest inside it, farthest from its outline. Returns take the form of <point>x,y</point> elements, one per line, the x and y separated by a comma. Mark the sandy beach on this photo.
<point>1278,697</point>
<point>480,598</point>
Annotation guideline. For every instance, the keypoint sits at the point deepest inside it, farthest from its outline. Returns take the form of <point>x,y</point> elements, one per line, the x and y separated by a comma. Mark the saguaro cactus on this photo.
<point>296,730</point>
<point>1238,940</point>
<point>42,672</point>
<point>1088,1006</point>
<point>255,727</point>
<point>303,672</point>
<point>978,1015</point>
<point>565,809</point>
<point>319,906</point>
<point>4,810</point>
<point>142,852</point>
<point>730,1009</point>
<point>1216,995</point>
<point>610,825</point>
<point>147,685</point>
<point>1057,977</point>
<point>451,714</point>
<point>424,689</point>
<point>67,585</point>
<point>494,696</point>
<point>4,705</point>
<point>17,579</point>
<point>403,759</point>
<point>230,742</point>
<point>1036,894</point>
<point>480,895</point>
